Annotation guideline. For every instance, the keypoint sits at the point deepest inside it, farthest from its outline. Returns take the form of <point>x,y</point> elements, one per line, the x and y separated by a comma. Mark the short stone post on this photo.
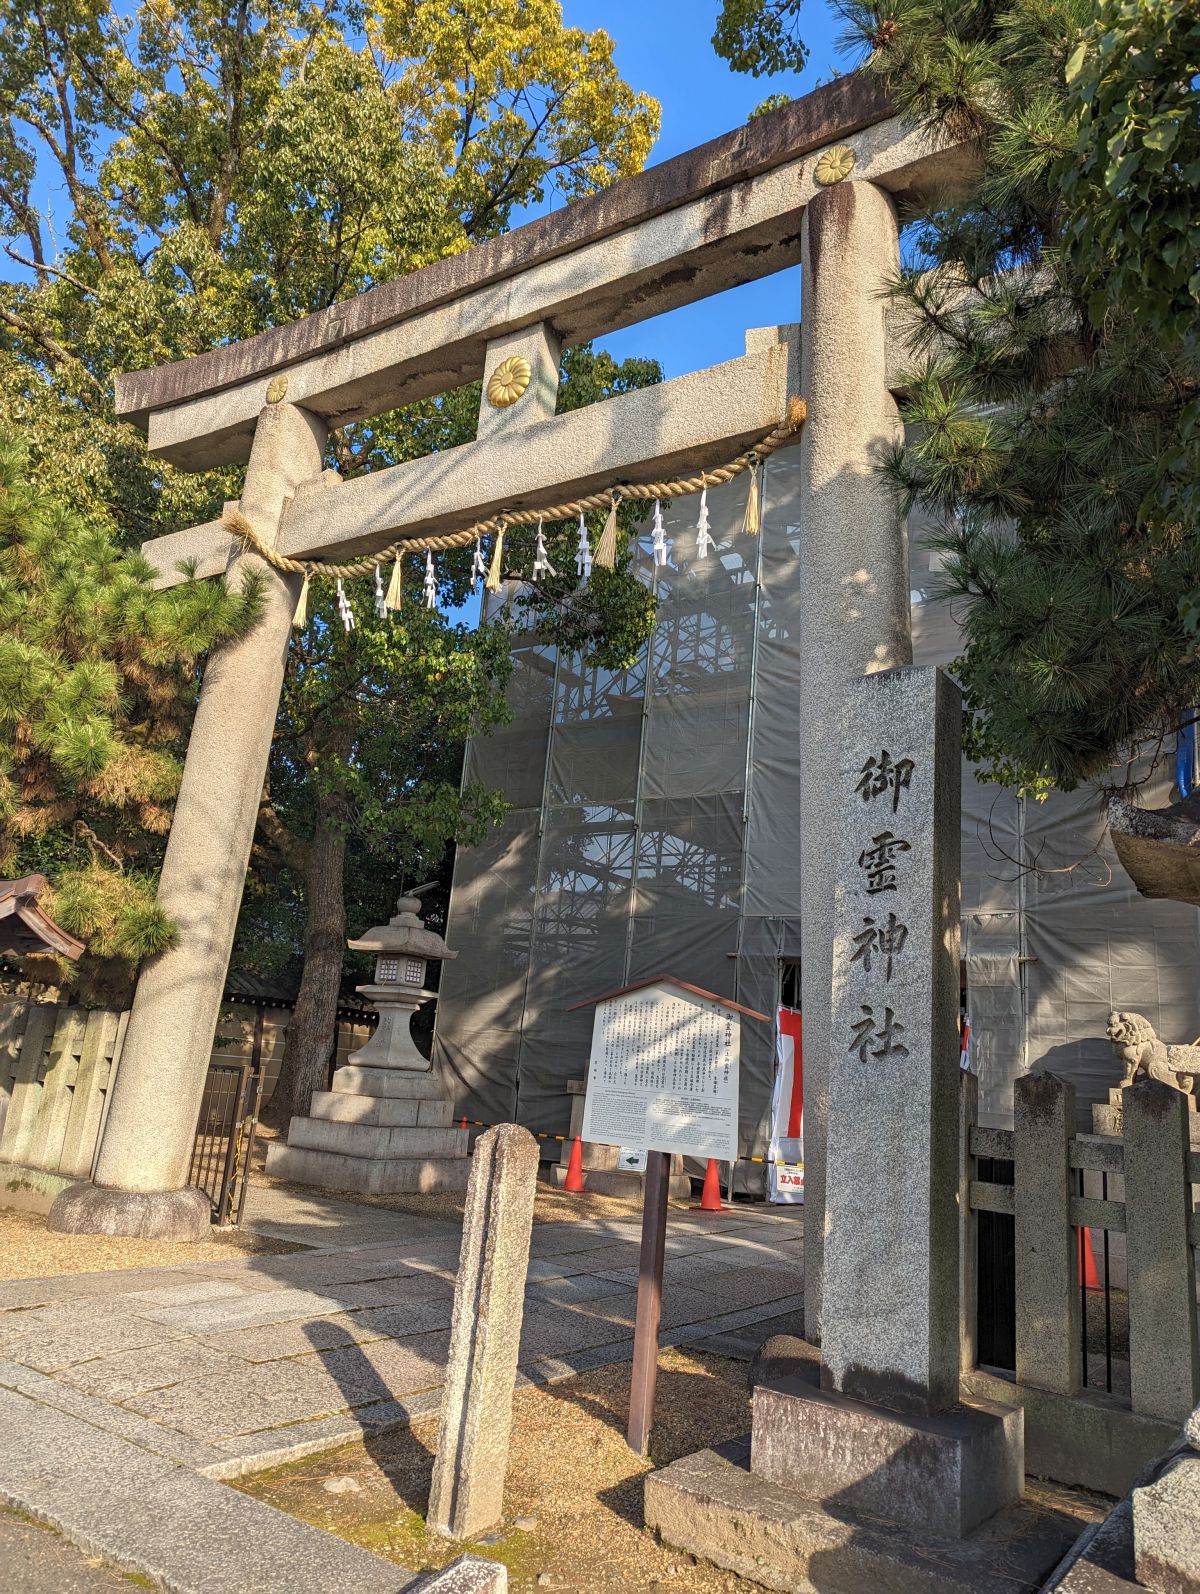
<point>1047,1247</point>
<point>141,1175</point>
<point>1163,1367</point>
<point>854,589</point>
<point>467,1493</point>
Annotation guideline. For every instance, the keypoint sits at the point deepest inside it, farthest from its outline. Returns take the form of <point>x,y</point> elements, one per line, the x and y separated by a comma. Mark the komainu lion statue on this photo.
<point>1139,1051</point>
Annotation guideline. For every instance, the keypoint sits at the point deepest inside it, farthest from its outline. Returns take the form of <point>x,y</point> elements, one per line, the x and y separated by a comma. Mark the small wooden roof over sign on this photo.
<point>25,927</point>
<point>681,985</point>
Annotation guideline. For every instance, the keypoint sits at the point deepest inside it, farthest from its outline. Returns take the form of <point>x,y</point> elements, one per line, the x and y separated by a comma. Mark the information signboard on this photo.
<point>663,1073</point>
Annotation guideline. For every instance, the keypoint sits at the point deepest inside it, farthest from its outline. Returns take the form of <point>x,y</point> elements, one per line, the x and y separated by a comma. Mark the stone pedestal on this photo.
<point>377,1132</point>
<point>1109,1118</point>
<point>713,1505</point>
<point>943,1475</point>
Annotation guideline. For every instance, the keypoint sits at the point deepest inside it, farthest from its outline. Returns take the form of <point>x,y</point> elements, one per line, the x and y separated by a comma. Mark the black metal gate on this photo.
<point>225,1136</point>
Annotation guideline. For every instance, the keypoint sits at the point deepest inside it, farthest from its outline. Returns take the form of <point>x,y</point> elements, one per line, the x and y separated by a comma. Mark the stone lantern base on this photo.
<point>379,1131</point>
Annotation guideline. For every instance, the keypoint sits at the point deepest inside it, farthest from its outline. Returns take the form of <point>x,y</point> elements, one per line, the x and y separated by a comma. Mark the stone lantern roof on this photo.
<point>403,936</point>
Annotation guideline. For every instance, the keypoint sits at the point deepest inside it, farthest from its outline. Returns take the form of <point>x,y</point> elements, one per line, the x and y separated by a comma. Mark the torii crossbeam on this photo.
<point>817,182</point>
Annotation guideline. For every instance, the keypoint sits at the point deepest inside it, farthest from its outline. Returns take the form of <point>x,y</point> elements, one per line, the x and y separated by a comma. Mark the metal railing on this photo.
<point>225,1131</point>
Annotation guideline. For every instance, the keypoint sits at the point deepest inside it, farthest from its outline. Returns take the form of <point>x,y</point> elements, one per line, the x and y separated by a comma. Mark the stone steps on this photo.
<point>404,1082</point>
<point>388,1111</point>
<point>334,1170</point>
<point>377,1140</point>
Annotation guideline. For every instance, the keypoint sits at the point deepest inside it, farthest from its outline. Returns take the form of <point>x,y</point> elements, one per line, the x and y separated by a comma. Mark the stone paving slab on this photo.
<point>551,1330</point>
<point>420,1315</point>
<point>105,1416</point>
<point>37,1560</point>
<point>430,1287</point>
<point>324,1272</point>
<point>21,1294</point>
<point>750,1286</point>
<point>135,1372</point>
<point>385,1367</point>
<point>186,1294</point>
<point>51,1346</point>
<point>170,1523</point>
<point>224,1405</point>
<point>306,1218</point>
<point>250,1453</point>
<point>273,1342</point>
<point>569,1290</point>
<point>236,1311</point>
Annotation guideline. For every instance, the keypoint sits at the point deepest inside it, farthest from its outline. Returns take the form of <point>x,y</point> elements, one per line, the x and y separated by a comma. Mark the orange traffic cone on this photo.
<point>710,1200</point>
<point>1087,1261</point>
<point>574,1179</point>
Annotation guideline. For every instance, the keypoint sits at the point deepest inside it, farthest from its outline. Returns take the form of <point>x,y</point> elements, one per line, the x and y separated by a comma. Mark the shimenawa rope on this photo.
<point>793,419</point>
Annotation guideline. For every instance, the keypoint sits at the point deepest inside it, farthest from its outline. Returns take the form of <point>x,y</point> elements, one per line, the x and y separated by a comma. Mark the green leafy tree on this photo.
<point>760,36</point>
<point>1052,399</point>
<point>97,683</point>
<point>230,165</point>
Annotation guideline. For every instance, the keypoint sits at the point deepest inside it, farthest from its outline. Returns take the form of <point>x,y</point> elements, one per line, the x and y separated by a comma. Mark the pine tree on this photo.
<point>1051,404</point>
<point>98,675</point>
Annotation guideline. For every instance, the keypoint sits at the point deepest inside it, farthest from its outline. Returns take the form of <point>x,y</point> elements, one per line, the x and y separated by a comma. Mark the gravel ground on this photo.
<point>573,1496</point>
<point>29,1251</point>
<point>573,1500</point>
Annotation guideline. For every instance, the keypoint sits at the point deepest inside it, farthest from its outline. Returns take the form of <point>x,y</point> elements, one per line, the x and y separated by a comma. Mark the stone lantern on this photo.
<point>403,949</point>
<point>385,1128</point>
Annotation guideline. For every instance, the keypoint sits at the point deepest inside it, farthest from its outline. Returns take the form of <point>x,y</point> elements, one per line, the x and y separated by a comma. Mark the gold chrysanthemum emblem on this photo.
<point>276,388</point>
<point>508,381</point>
<point>834,166</point>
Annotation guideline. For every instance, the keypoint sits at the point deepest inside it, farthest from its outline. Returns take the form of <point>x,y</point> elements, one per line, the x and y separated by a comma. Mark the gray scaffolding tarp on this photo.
<point>654,828</point>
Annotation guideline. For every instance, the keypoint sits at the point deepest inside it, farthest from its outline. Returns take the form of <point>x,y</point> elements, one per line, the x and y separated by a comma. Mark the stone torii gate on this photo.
<point>816,182</point>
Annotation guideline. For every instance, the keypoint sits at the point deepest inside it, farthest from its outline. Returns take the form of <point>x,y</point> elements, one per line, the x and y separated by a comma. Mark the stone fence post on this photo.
<point>1047,1247</point>
<point>1163,1359</point>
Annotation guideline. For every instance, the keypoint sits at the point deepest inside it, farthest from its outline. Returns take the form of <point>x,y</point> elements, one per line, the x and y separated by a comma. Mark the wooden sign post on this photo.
<point>649,1301</point>
<point>663,1079</point>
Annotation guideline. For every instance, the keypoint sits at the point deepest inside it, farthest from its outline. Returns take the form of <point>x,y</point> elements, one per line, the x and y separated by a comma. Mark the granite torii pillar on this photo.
<point>854,583</point>
<point>141,1177</point>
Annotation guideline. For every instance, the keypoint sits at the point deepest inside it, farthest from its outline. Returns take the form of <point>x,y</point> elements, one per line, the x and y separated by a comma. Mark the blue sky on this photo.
<point>663,48</point>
